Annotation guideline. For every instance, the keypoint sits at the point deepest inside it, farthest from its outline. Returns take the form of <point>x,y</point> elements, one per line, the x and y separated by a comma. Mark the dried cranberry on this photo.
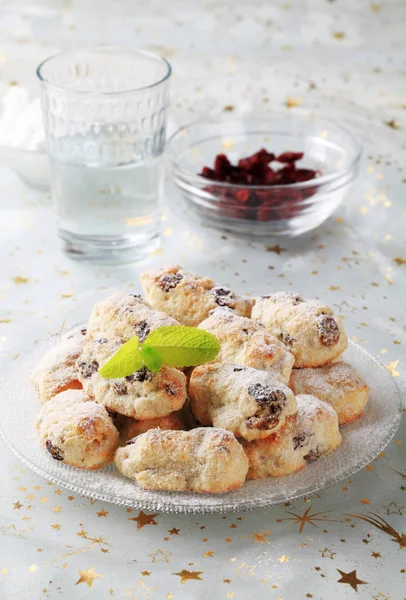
<point>289,157</point>
<point>329,332</point>
<point>169,281</point>
<point>142,330</point>
<point>54,451</point>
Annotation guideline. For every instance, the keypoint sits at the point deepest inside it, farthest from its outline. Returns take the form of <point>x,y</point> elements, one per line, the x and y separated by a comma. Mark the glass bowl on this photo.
<point>289,209</point>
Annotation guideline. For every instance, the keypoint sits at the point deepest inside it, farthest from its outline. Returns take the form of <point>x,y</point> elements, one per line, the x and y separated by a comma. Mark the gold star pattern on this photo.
<point>18,280</point>
<point>382,525</point>
<point>173,531</point>
<point>159,556</point>
<point>381,596</point>
<point>226,580</point>
<point>283,559</point>
<point>43,500</point>
<point>365,501</point>
<point>376,554</point>
<point>186,575</point>
<point>70,498</point>
<point>144,519</point>
<point>102,513</point>
<point>30,497</point>
<point>88,576</point>
<point>33,568</point>
<point>327,553</point>
<point>22,489</point>
<point>56,526</point>
<point>399,261</point>
<point>351,579</point>
<point>392,124</point>
<point>394,509</point>
<point>209,553</point>
<point>277,249</point>
<point>309,518</point>
<point>293,102</point>
<point>37,487</point>
<point>4,571</point>
<point>259,538</point>
<point>17,505</point>
<point>145,573</point>
<point>57,509</point>
<point>392,368</point>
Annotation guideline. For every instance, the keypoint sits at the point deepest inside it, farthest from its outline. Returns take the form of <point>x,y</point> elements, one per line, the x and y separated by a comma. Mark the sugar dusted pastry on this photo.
<point>56,371</point>
<point>250,403</point>
<point>338,384</point>
<point>143,395</point>
<point>316,429</point>
<point>309,329</point>
<point>173,422</point>
<point>246,342</point>
<point>125,315</point>
<point>189,297</point>
<point>77,431</point>
<point>275,455</point>
<point>201,460</point>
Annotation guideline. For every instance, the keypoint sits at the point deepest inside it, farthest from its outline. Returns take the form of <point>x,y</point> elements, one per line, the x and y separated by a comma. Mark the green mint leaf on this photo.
<point>151,359</point>
<point>181,346</point>
<point>124,362</point>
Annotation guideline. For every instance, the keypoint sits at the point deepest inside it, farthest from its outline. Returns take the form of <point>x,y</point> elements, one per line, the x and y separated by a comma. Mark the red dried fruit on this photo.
<point>260,204</point>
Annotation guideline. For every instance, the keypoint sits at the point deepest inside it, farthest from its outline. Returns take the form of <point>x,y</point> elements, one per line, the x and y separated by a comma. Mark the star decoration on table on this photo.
<point>145,573</point>
<point>309,518</point>
<point>351,579</point>
<point>144,519</point>
<point>392,368</point>
<point>277,249</point>
<point>365,501</point>
<point>283,559</point>
<point>57,509</point>
<point>259,538</point>
<point>376,554</point>
<point>160,556</point>
<point>102,513</point>
<point>226,580</point>
<point>186,575</point>
<point>382,525</point>
<point>33,568</point>
<point>394,509</point>
<point>88,576</point>
<point>209,553</point>
<point>173,531</point>
<point>18,280</point>
<point>381,596</point>
<point>56,526</point>
<point>17,505</point>
<point>399,261</point>
<point>327,553</point>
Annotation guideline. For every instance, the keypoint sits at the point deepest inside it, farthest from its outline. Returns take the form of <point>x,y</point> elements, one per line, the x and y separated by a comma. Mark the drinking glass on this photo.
<point>105,112</point>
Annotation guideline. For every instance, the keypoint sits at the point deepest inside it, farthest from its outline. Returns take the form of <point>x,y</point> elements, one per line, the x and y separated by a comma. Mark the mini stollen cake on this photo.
<point>338,384</point>
<point>56,371</point>
<point>247,342</point>
<point>250,403</point>
<point>142,395</point>
<point>125,316</point>
<point>316,429</point>
<point>77,431</point>
<point>189,297</point>
<point>309,329</point>
<point>201,460</point>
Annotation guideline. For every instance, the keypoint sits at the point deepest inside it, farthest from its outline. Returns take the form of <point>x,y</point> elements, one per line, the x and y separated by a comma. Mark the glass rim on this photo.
<point>139,51</point>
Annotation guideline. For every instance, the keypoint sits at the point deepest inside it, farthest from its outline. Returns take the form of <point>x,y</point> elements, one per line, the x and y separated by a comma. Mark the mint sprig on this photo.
<point>175,346</point>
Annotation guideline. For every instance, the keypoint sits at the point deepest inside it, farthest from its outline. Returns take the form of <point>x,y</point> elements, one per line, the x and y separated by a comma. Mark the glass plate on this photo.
<point>362,442</point>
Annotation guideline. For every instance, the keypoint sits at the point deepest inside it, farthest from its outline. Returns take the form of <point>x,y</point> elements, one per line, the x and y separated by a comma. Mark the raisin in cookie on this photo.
<point>189,297</point>
<point>126,316</point>
<point>250,403</point>
<point>77,431</point>
<point>56,371</point>
<point>316,429</point>
<point>275,455</point>
<point>338,384</point>
<point>202,460</point>
<point>143,395</point>
<point>247,342</point>
<point>309,329</point>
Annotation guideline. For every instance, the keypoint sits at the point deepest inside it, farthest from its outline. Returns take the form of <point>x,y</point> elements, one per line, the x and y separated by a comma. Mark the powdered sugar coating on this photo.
<point>338,384</point>
<point>125,315</point>
<point>316,429</point>
<point>275,455</point>
<point>143,395</point>
<point>189,297</point>
<point>206,460</point>
<point>309,329</point>
<point>247,342</point>
<point>248,402</point>
<point>77,431</point>
<point>172,422</point>
<point>56,371</point>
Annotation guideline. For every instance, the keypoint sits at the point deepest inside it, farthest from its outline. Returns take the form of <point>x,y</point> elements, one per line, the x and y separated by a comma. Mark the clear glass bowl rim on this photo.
<point>199,181</point>
<point>95,49</point>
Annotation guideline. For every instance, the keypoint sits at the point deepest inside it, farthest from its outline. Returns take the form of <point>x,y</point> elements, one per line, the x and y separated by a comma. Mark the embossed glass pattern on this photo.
<point>104,112</point>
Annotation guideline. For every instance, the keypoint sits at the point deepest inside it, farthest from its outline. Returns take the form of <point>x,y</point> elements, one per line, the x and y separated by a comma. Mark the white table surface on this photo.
<point>339,58</point>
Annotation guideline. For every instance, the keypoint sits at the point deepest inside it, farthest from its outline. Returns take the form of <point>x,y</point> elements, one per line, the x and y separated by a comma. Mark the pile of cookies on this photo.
<point>273,399</point>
